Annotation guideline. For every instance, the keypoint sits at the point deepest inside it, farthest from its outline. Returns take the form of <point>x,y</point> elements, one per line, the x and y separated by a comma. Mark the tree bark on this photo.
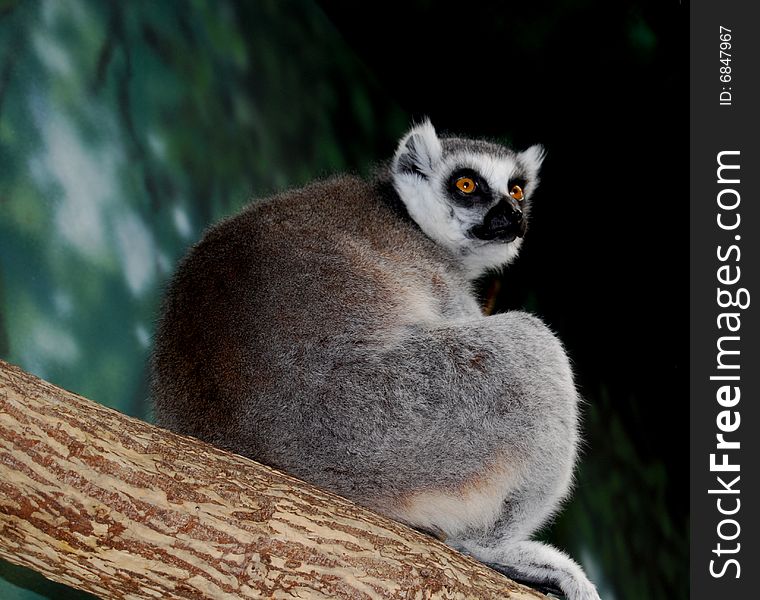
<point>119,508</point>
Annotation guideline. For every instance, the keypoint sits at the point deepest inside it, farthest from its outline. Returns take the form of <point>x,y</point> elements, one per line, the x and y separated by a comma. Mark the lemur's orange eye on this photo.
<point>466,185</point>
<point>516,192</point>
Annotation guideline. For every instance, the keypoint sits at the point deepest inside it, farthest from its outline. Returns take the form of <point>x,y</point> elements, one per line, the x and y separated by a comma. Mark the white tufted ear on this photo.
<point>418,151</point>
<point>531,159</point>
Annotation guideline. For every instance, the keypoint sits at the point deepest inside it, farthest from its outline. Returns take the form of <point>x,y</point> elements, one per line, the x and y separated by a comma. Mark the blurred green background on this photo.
<point>127,127</point>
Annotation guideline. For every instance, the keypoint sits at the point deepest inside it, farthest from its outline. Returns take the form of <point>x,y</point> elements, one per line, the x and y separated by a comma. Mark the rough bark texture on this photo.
<point>119,508</point>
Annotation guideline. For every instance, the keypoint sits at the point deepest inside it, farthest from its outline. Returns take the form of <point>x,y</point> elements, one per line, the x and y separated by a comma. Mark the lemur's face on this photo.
<point>488,197</point>
<point>470,196</point>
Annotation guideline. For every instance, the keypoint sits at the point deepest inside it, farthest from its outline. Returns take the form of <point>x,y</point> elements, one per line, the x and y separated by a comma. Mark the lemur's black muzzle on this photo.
<point>504,222</point>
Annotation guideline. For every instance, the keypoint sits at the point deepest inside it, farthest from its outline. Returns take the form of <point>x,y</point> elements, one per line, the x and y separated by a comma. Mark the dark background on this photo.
<point>126,129</point>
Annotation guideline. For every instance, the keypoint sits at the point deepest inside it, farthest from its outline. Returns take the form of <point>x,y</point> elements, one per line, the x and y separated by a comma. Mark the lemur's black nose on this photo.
<point>503,222</point>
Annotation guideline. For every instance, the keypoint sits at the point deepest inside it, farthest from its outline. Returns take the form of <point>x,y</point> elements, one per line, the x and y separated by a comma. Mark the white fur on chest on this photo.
<point>473,505</point>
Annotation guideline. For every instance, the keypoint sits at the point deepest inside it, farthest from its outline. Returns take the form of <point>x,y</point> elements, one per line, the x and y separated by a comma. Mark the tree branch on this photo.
<point>122,509</point>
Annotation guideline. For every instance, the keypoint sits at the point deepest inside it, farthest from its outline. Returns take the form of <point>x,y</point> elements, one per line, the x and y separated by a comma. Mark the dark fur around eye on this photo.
<point>521,181</point>
<point>482,191</point>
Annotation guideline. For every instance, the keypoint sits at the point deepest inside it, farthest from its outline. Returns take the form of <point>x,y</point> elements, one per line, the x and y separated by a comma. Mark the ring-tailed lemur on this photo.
<point>331,332</point>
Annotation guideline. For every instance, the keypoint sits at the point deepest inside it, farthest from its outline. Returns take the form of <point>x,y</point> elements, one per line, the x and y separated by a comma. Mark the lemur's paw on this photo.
<point>536,565</point>
<point>563,586</point>
<point>579,589</point>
